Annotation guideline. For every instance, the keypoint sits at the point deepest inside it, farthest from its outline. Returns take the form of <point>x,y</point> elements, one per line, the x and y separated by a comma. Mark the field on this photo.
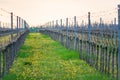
<point>41,58</point>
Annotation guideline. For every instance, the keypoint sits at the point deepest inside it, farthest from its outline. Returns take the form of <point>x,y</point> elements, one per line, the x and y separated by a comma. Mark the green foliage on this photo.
<point>41,58</point>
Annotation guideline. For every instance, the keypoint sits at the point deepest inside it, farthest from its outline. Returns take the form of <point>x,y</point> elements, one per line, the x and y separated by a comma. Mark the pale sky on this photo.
<point>37,12</point>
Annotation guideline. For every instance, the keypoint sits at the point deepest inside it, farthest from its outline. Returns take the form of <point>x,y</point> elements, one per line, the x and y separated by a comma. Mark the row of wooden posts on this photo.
<point>8,52</point>
<point>99,48</point>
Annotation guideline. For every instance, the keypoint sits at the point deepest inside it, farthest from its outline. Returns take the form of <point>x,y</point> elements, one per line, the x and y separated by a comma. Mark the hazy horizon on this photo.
<point>37,12</point>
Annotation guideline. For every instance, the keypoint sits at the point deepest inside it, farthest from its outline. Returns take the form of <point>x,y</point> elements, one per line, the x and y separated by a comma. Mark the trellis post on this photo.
<point>50,26</point>
<point>11,26</point>
<point>66,32</point>
<point>118,42</point>
<point>17,25</point>
<point>61,30</point>
<point>0,25</point>
<point>60,25</point>
<point>101,28</point>
<point>12,49</point>
<point>115,32</point>
<point>22,25</point>
<point>57,25</point>
<point>75,26</point>
<point>53,25</point>
<point>89,31</point>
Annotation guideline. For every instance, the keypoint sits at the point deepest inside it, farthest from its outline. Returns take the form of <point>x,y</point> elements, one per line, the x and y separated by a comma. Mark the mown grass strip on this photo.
<point>41,58</point>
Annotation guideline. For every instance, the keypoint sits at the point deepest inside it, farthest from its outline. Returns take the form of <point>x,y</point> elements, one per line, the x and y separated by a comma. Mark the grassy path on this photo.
<point>41,58</point>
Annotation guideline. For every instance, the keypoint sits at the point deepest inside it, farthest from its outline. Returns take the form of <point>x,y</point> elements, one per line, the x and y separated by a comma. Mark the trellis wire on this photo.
<point>97,44</point>
<point>15,34</point>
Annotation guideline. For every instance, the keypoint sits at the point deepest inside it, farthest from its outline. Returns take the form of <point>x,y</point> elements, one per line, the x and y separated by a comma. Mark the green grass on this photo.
<point>41,58</point>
